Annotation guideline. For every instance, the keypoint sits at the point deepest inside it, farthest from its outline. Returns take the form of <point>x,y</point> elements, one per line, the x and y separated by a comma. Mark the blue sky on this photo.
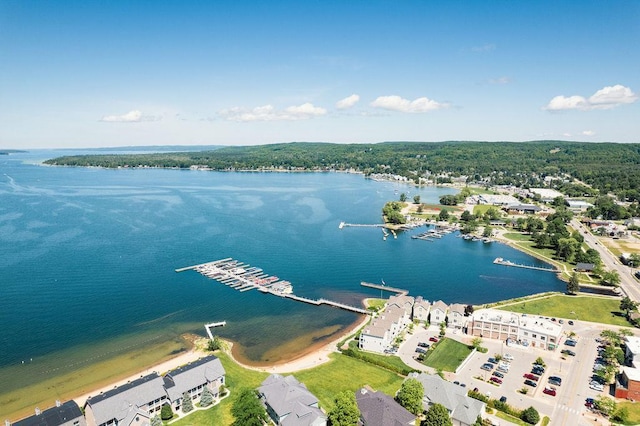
<point>120,73</point>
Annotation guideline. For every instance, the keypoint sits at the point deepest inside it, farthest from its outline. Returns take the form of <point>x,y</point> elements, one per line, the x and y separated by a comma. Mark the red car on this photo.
<point>496,380</point>
<point>531,376</point>
<point>433,339</point>
<point>549,391</point>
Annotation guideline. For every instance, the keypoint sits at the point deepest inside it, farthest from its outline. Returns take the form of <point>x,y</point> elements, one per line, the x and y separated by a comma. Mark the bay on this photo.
<point>87,259</point>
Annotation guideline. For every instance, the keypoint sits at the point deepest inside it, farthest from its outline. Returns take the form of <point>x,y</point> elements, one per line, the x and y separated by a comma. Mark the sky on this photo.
<point>82,74</point>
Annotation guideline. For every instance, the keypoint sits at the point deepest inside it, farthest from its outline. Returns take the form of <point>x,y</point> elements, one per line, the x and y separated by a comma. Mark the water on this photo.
<point>87,258</point>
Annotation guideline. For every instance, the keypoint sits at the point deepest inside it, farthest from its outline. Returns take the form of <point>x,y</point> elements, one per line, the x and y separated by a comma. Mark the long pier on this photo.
<point>362,225</point>
<point>385,288</point>
<point>501,261</point>
<point>243,277</point>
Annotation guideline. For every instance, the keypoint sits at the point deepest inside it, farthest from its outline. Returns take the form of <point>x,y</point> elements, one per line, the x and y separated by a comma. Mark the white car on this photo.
<point>508,357</point>
<point>596,386</point>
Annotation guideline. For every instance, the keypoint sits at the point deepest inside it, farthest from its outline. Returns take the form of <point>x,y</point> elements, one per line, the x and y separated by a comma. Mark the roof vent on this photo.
<point>38,412</point>
<point>58,404</point>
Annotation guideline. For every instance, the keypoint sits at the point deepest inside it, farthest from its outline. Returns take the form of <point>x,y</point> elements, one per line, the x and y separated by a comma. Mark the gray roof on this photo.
<point>454,398</point>
<point>304,415</point>
<point>285,394</point>
<point>582,266</point>
<point>379,409</point>
<point>117,403</point>
<point>190,376</point>
<point>54,416</point>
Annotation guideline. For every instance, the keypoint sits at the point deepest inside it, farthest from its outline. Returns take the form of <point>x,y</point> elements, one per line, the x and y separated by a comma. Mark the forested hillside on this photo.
<point>605,166</point>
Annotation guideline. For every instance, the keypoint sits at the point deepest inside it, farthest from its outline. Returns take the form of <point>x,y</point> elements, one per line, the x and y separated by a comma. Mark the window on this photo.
<point>534,335</point>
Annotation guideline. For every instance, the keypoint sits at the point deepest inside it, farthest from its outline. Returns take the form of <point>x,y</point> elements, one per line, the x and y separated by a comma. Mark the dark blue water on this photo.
<point>87,255</point>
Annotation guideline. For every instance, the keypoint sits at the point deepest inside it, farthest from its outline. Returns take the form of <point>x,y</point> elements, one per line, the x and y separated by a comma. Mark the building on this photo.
<point>463,409</point>
<point>627,384</point>
<point>523,209</point>
<point>456,317</point>
<point>507,326</point>
<point>496,200</point>
<point>547,195</point>
<point>379,409</point>
<point>67,414</point>
<point>578,205</point>
<point>438,312</point>
<point>584,267</point>
<point>289,402</point>
<point>380,334</point>
<point>421,309</point>
<point>192,379</point>
<point>632,351</point>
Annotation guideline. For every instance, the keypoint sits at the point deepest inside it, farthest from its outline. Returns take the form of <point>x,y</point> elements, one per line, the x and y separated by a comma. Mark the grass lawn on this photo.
<point>510,419</point>
<point>516,236</point>
<point>447,355</point>
<point>586,308</point>
<point>634,411</point>
<point>481,209</point>
<point>392,361</point>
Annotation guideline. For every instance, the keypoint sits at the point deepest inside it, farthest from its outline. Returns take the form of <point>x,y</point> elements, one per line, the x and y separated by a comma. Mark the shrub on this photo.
<point>530,415</point>
<point>166,413</point>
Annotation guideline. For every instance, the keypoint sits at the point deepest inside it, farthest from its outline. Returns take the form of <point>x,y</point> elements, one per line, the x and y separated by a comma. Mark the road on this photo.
<point>628,283</point>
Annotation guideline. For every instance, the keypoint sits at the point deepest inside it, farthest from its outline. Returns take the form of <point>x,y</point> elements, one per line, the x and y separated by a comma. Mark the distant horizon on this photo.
<point>83,74</point>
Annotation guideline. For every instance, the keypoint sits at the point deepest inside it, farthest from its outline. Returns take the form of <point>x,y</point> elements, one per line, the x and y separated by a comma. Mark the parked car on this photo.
<point>421,350</point>
<point>423,345</point>
<point>433,339</point>
<point>568,352</point>
<point>555,380</point>
<point>570,322</point>
<point>537,371</point>
<point>549,391</point>
<point>492,360</point>
<point>530,383</point>
<point>589,402</point>
<point>503,368</point>
<point>508,357</point>
<point>496,380</point>
<point>486,366</point>
<point>561,321</point>
<point>498,374</point>
<point>503,399</point>
<point>570,342</point>
<point>596,386</point>
<point>531,376</point>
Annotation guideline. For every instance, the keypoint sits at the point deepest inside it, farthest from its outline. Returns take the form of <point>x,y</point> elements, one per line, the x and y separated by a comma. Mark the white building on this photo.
<point>438,312</point>
<point>421,309</point>
<point>381,333</point>
<point>456,317</point>
<point>547,195</point>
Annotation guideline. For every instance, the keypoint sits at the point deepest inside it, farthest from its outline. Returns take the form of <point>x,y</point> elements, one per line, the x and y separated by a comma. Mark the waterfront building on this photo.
<point>523,329</point>
<point>192,379</point>
<point>438,312</point>
<point>463,409</point>
<point>421,309</point>
<point>379,409</point>
<point>456,317</point>
<point>380,334</point>
<point>289,403</point>
<point>63,414</point>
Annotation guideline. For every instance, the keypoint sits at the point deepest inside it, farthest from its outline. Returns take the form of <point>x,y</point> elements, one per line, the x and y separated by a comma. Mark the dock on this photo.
<point>208,327</point>
<point>242,277</point>
<point>501,261</point>
<point>385,288</point>
<point>362,225</point>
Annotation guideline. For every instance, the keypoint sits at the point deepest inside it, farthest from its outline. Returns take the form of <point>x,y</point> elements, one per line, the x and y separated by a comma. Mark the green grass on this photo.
<point>634,411</point>
<point>510,419</point>
<point>481,209</point>
<point>516,236</point>
<point>447,355</point>
<point>375,304</point>
<point>390,360</point>
<point>586,308</point>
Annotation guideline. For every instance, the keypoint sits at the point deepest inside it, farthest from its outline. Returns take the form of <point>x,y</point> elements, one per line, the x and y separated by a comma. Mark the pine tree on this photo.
<point>187,402</point>
<point>206,399</point>
<point>156,421</point>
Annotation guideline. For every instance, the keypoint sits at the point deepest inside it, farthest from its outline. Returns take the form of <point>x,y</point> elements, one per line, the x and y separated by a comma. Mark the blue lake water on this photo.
<point>87,256</point>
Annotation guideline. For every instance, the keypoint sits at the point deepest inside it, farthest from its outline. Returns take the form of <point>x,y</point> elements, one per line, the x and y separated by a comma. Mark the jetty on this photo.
<point>208,327</point>
<point>361,225</point>
<point>501,261</point>
<point>243,277</point>
<point>385,288</point>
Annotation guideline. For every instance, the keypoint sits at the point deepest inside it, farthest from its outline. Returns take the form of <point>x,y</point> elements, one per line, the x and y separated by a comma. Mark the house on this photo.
<point>193,378</point>
<point>421,308</point>
<point>627,384</point>
<point>380,334</point>
<point>463,409</point>
<point>133,403</point>
<point>402,301</point>
<point>584,267</point>
<point>289,402</point>
<point>379,409</point>
<point>456,317</point>
<point>438,312</point>
<point>67,414</point>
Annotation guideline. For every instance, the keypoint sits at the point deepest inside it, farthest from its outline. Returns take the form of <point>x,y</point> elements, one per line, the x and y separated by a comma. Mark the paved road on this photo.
<point>628,283</point>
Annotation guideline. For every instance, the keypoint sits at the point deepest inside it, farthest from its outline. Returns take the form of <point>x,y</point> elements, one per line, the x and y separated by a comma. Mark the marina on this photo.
<point>243,277</point>
<point>501,261</point>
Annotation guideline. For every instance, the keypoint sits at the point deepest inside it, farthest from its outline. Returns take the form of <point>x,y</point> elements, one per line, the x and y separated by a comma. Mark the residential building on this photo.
<point>463,409</point>
<point>131,404</point>
<point>289,402</point>
<point>438,312</point>
<point>63,414</point>
<point>421,308</point>
<point>379,409</point>
<point>627,384</point>
<point>632,351</point>
<point>381,333</point>
<point>456,317</point>
<point>192,379</point>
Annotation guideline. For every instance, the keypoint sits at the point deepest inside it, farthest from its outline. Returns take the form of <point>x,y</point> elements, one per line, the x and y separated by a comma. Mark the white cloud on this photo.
<point>500,80</point>
<point>348,102</point>
<point>130,117</point>
<point>484,48</point>
<point>605,98</point>
<point>270,113</point>
<point>396,103</point>
<point>588,133</point>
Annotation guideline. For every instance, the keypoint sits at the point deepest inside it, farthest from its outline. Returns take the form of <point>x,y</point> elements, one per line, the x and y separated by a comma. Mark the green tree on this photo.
<point>611,337</point>
<point>215,344</point>
<point>487,232</point>
<point>567,248</point>
<point>634,260</point>
<point>437,415</point>
<point>443,215</point>
<point>345,410</point>
<point>156,421</point>
<point>206,399</point>
<point>621,415</point>
<point>403,197</point>
<point>605,404</point>
<point>166,413</point>
<point>410,396</point>
<point>573,286</point>
<point>187,403</point>
<point>247,409</point>
<point>416,199</point>
<point>628,305</point>
<point>476,342</point>
<point>540,361</point>
<point>530,415</point>
<point>610,278</point>
<point>466,216</point>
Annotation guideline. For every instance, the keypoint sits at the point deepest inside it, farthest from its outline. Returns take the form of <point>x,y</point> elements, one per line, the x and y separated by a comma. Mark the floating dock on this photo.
<point>501,261</point>
<point>243,277</point>
<point>385,288</point>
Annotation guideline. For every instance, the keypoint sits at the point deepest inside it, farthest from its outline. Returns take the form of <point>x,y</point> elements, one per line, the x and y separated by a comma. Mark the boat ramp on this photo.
<point>501,261</point>
<point>243,277</point>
